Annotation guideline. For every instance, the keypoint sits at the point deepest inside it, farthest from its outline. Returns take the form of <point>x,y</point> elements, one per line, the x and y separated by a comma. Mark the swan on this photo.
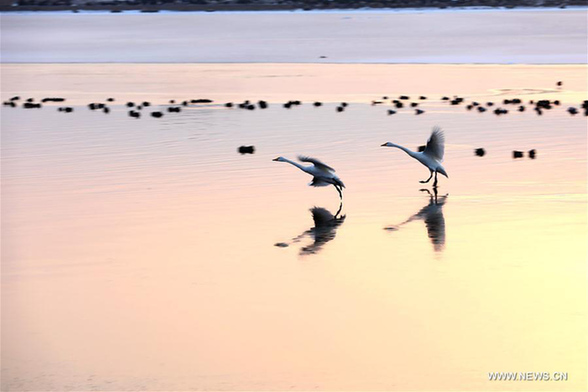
<point>431,157</point>
<point>323,175</point>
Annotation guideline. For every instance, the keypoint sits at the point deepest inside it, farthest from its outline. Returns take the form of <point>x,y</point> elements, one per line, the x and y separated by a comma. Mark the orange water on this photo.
<point>140,254</point>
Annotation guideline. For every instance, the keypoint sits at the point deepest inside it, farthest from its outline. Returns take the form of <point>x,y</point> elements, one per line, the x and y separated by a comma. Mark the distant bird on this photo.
<point>532,154</point>
<point>517,154</point>
<point>246,150</point>
<point>322,174</point>
<point>480,152</point>
<point>431,157</point>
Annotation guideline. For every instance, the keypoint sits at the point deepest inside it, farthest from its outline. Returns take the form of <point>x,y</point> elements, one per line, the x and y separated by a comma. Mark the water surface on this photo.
<point>140,254</point>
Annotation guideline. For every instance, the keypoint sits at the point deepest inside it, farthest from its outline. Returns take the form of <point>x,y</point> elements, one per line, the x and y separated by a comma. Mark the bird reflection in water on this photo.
<point>432,214</point>
<point>324,230</point>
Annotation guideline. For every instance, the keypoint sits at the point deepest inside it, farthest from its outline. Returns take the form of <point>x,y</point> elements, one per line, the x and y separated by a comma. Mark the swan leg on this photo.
<point>435,183</point>
<point>339,190</point>
<point>428,179</point>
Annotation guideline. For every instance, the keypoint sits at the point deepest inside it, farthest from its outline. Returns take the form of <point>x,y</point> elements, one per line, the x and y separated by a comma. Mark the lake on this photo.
<point>148,254</point>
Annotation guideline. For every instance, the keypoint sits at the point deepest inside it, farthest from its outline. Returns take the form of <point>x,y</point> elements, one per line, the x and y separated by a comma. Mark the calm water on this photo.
<point>521,36</point>
<point>140,254</point>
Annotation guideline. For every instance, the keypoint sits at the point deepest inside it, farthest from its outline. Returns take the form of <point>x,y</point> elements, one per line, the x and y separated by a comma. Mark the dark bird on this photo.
<point>53,100</point>
<point>573,111</point>
<point>246,150</point>
<point>480,152</point>
<point>517,154</point>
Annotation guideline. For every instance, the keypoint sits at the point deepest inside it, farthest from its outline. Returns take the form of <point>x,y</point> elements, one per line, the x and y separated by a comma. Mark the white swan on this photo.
<point>431,157</point>
<point>322,174</point>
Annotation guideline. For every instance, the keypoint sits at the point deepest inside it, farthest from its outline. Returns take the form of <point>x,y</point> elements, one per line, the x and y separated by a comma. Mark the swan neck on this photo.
<point>406,150</point>
<point>298,165</point>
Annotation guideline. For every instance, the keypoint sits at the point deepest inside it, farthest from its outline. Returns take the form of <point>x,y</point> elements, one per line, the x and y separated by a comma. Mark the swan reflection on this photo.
<point>323,231</point>
<point>432,214</point>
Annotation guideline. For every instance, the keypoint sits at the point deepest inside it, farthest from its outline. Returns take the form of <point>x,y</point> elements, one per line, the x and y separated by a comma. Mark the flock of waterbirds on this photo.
<point>325,224</point>
<point>430,155</point>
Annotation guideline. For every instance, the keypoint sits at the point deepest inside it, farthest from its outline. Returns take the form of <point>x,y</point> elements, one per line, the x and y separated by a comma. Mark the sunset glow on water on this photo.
<point>140,254</point>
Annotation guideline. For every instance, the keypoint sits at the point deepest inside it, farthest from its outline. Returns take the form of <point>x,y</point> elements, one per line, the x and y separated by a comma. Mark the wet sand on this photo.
<point>140,254</point>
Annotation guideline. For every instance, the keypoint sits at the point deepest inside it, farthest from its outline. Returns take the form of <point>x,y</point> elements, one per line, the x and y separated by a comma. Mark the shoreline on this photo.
<point>180,7</point>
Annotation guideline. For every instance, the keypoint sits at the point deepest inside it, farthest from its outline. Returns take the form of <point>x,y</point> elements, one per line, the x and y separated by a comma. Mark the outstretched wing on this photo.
<point>316,163</point>
<point>436,145</point>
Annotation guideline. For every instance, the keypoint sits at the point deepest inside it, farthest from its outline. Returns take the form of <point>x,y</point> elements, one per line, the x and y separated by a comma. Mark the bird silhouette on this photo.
<point>432,214</point>
<point>323,231</point>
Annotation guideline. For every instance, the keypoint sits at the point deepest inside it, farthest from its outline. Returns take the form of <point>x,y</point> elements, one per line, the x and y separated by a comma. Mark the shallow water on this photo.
<point>141,254</point>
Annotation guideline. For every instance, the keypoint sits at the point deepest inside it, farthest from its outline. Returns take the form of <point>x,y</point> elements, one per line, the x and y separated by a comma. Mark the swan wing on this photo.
<point>318,164</point>
<point>436,145</point>
<point>316,182</point>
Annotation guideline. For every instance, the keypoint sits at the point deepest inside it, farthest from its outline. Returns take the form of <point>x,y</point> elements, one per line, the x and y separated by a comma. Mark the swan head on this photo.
<point>279,159</point>
<point>387,144</point>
